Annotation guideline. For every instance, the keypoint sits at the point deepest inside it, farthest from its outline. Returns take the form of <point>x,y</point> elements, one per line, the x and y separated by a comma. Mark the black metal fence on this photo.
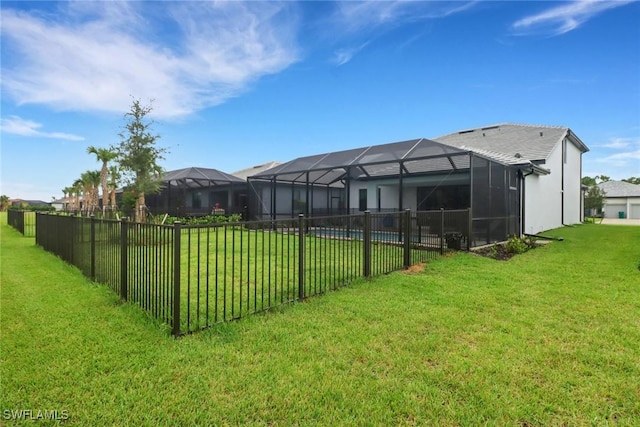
<point>23,221</point>
<point>194,276</point>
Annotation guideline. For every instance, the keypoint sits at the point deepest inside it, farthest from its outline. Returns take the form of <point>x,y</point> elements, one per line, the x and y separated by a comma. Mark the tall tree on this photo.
<point>594,199</point>
<point>633,180</point>
<point>588,181</point>
<point>139,156</point>
<point>104,155</point>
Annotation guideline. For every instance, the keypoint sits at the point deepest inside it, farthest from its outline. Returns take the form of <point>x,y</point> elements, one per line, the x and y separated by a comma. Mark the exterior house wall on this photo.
<point>572,185</point>
<point>543,196</point>
<point>547,205</point>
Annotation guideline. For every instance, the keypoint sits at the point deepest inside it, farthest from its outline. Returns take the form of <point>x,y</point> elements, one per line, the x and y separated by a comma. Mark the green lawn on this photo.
<point>551,337</point>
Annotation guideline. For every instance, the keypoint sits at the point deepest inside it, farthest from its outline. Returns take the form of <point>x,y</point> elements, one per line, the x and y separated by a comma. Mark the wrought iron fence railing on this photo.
<point>195,276</point>
<point>23,221</point>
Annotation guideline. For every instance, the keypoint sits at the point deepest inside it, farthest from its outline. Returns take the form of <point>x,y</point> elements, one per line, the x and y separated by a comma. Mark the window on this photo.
<point>196,200</point>
<point>362,199</point>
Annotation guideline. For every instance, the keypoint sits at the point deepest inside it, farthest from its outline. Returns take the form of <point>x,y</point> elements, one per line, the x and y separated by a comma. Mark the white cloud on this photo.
<point>342,56</point>
<point>369,19</point>
<point>623,157</point>
<point>567,17</point>
<point>621,143</point>
<point>185,56</point>
<point>370,15</point>
<point>19,126</point>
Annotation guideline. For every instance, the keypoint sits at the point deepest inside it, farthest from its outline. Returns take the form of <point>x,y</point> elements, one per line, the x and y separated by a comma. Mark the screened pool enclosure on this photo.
<point>418,175</point>
<point>199,191</point>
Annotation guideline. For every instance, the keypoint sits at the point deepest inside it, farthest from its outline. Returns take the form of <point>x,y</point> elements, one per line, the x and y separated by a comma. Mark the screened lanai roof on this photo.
<point>413,156</point>
<point>199,177</point>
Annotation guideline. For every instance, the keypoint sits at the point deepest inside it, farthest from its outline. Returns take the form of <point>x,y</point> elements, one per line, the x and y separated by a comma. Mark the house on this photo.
<point>552,193</point>
<point>31,203</point>
<point>514,179</point>
<point>622,199</point>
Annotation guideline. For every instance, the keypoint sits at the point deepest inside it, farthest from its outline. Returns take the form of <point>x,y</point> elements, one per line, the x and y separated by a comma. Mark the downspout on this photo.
<point>523,198</point>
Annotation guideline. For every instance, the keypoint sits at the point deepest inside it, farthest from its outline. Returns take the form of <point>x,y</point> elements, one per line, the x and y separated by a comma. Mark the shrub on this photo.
<point>517,245</point>
<point>203,220</point>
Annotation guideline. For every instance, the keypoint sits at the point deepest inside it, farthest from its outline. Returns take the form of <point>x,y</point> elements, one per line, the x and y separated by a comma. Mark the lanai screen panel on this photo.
<point>495,206</point>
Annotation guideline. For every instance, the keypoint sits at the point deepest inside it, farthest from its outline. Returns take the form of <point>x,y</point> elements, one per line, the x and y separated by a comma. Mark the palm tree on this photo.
<point>78,186</point>
<point>65,199</point>
<point>4,202</point>
<point>92,184</point>
<point>103,155</point>
<point>114,179</point>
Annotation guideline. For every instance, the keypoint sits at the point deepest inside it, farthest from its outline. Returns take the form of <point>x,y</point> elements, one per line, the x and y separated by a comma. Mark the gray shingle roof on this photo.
<point>529,142</point>
<point>620,189</point>
<point>254,170</point>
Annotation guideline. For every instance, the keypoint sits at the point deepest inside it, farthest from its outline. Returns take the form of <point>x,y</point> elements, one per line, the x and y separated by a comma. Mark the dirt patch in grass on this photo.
<point>497,251</point>
<point>504,251</point>
<point>415,269</point>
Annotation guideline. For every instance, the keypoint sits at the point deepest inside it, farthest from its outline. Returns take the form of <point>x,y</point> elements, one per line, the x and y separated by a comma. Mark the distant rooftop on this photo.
<point>620,189</point>
<point>202,177</point>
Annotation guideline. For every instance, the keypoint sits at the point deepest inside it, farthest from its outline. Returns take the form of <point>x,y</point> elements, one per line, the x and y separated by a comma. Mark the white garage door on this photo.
<point>611,211</point>
<point>634,211</point>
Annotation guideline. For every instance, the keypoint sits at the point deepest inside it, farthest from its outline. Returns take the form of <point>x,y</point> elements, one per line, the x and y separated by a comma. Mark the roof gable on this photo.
<point>529,142</point>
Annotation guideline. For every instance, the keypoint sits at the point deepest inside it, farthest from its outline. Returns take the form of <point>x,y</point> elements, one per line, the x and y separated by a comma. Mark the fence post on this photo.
<point>441,231</point>
<point>92,246</point>
<point>21,225</point>
<point>36,231</point>
<point>469,230</point>
<point>177,233</point>
<point>367,244</point>
<point>123,258</point>
<point>301,226</point>
<point>407,238</point>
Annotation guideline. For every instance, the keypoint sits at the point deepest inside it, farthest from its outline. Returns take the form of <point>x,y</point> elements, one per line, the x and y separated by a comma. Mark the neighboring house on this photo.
<point>198,191</point>
<point>622,199</point>
<point>59,204</point>
<point>551,196</point>
<point>20,202</point>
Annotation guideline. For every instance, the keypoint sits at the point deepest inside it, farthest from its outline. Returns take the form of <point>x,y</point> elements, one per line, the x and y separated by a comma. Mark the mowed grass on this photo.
<point>551,337</point>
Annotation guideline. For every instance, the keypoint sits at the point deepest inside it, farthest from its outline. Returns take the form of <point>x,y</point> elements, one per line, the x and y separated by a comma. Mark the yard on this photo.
<point>548,337</point>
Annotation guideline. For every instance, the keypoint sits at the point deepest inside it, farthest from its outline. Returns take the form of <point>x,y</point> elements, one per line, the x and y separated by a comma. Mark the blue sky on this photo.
<point>238,84</point>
